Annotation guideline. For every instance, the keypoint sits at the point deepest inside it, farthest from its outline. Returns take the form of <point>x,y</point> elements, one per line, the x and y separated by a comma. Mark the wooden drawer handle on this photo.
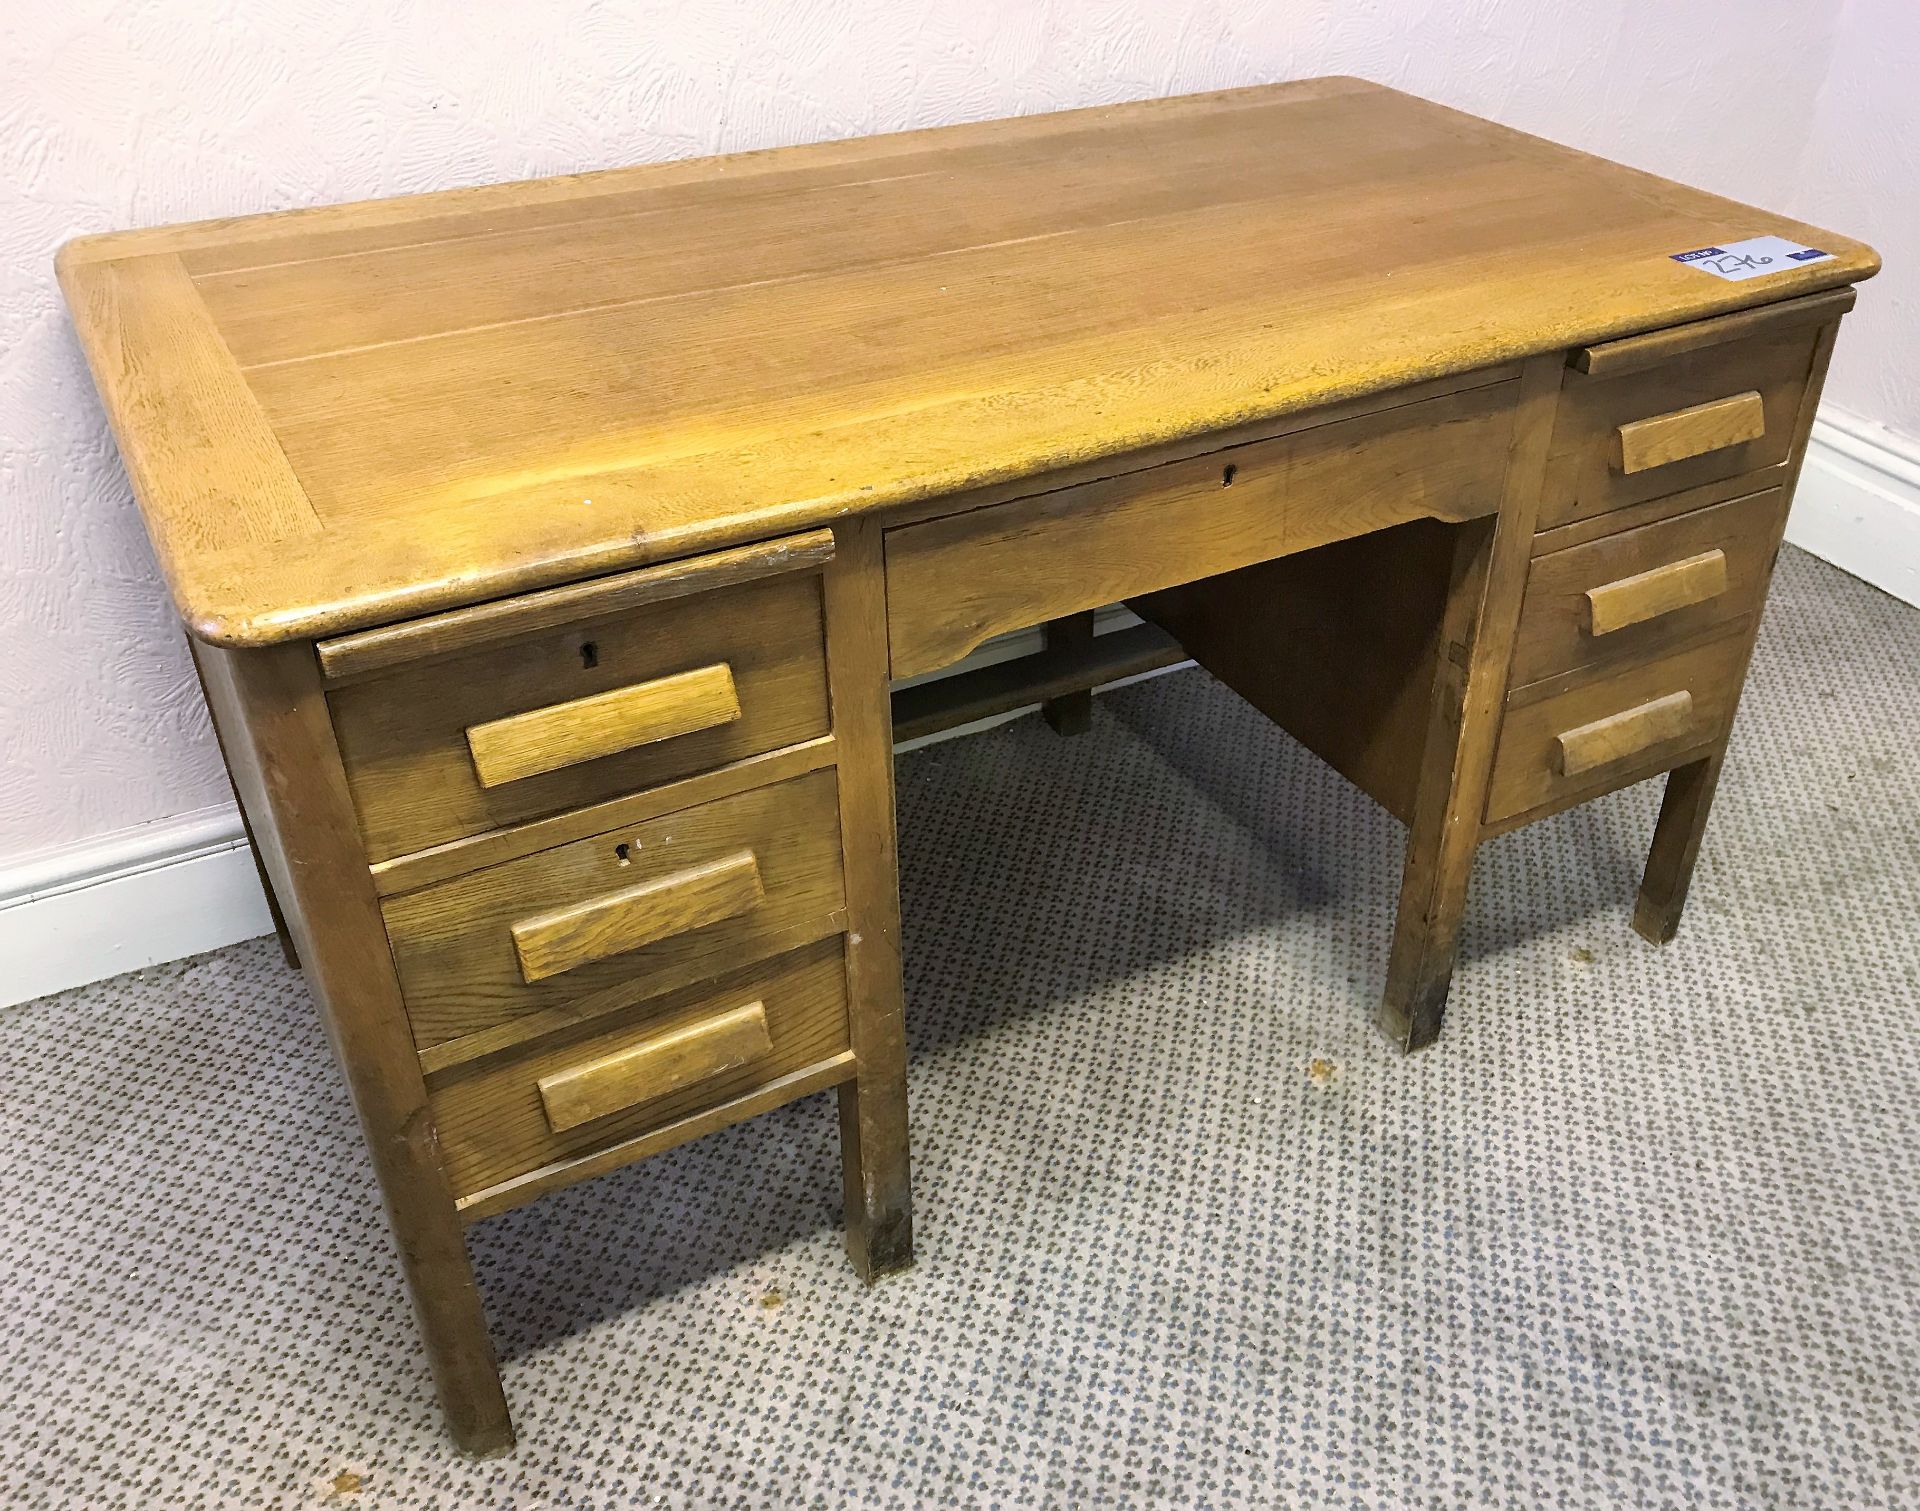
<point>1691,432</point>
<point>590,931</point>
<point>1620,735</point>
<point>1647,595</point>
<point>655,1066</point>
<point>565,734</point>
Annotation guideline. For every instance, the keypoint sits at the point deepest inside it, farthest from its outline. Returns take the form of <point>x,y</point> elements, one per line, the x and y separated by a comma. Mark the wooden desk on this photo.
<point>547,550</point>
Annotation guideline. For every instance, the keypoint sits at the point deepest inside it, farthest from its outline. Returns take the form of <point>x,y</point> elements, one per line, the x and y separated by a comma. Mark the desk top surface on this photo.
<point>342,416</point>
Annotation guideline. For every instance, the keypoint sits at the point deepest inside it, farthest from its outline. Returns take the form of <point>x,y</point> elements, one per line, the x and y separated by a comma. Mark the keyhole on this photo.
<point>623,853</point>
<point>589,655</point>
<point>1227,475</point>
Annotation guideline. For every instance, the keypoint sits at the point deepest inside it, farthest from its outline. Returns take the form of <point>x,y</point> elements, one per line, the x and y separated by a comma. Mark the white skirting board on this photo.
<point>1858,504</point>
<point>124,900</point>
<point>185,885</point>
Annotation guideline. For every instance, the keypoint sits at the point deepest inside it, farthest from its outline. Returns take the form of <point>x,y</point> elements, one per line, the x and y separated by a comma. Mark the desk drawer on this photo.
<point>459,744</point>
<point>1626,433</point>
<point>1574,745</point>
<point>506,953</point>
<point>955,582</point>
<point>1633,595</point>
<point>606,1082</point>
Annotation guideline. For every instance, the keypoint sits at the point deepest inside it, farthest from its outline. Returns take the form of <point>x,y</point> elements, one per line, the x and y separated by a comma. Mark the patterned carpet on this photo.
<point>1644,1228</point>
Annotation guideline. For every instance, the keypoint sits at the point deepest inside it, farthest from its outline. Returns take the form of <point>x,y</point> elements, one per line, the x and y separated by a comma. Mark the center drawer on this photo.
<point>514,950</point>
<point>459,744</point>
<point>954,582</point>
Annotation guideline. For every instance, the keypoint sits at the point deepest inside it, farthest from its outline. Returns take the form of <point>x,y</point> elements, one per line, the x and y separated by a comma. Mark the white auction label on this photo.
<point>1755,257</point>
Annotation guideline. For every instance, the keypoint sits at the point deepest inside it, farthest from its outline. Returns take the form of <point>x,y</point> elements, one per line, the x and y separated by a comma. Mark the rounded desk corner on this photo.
<point>222,628</point>
<point>1854,260</point>
<point>75,253</point>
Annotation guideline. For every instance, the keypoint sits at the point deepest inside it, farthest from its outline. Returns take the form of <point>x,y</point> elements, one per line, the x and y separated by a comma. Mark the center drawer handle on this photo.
<point>653,1067</point>
<point>564,734</point>
<point>588,931</point>
<point>1625,734</point>
<point>1690,432</point>
<point>1647,595</point>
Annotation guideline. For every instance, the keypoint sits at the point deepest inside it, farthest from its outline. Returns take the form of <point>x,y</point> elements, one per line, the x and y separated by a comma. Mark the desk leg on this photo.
<point>280,930</point>
<point>1444,830</point>
<point>1676,846</point>
<point>1070,713</point>
<point>873,1106</point>
<point>1469,692</point>
<point>280,751</point>
<point>287,951</point>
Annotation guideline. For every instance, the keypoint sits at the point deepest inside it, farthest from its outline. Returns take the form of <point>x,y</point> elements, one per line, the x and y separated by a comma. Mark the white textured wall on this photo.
<point>1860,172</point>
<point>133,112</point>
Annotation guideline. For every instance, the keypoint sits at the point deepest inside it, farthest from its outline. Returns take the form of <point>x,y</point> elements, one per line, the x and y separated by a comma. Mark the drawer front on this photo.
<point>510,951</point>
<point>1633,595</point>
<point>461,744</point>
<point>1699,416</point>
<point>953,583</point>
<point>1593,738</point>
<point>668,1059</point>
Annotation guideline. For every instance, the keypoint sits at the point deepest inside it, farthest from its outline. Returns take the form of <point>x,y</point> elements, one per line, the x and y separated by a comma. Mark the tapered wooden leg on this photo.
<point>1676,846</point>
<point>280,751</point>
<point>873,1106</point>
<point>1470,681</point>
<point>287,950</point>
<point>1426,937</point>
<point>1070,713</point>
<point>874,1178</point>
<point>1444,829</point>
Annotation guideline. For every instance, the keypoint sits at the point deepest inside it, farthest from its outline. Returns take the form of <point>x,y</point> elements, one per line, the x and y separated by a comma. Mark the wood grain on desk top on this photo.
<point>342,416</point>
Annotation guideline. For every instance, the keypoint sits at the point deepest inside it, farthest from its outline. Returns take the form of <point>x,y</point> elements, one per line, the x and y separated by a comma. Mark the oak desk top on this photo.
<point>343,416</point>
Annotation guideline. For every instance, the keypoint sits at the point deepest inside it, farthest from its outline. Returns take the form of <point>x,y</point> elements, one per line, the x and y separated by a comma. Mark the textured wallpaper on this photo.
<point>119,113</point>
